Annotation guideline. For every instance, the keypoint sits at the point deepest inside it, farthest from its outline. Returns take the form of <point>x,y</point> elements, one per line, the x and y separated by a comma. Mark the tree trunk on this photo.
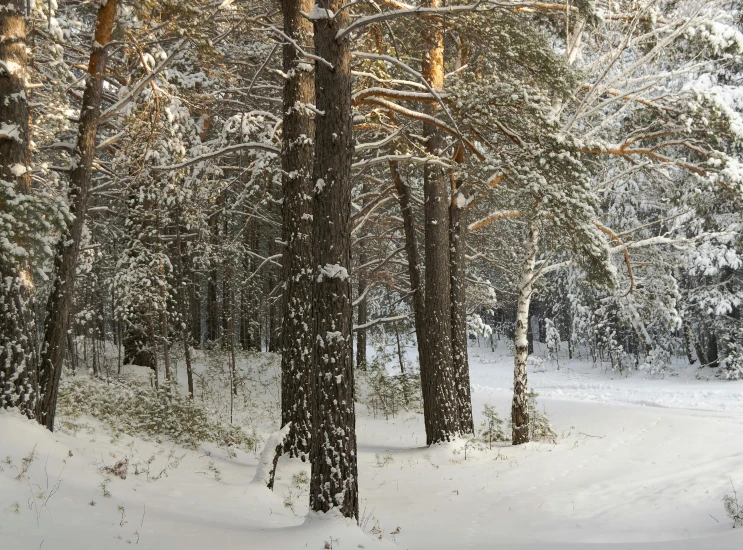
<point>334,477</point>
<point>18,359</point>
<point>440,409</point>
<point>186,303</point>
<point>227,301</point>
<point>212,307</point>
<point>457,235</point>
<point>194,297</point>
<point>519,408</point>
<point>713,358</point>
<point>361,319</point>
<point>689,340</point>
<point>361,315</point>
<point>68,247</point>
<point>411,251</point>
<point>155,368</point>
<point>164,302</point>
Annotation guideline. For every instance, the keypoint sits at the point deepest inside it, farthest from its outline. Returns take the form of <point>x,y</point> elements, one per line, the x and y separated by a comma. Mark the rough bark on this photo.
<point>414,271</point>
<point>334,477</point>
<point>713,357</point>
<point>440,409</point>
<point>519,407</point>
<point>17,350</point>
<point>68,248</point>
<point>185,304</point>
<point>457,235</point>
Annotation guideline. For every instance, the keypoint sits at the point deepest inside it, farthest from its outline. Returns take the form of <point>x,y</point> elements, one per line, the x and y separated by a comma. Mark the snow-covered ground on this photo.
<point>642,462</point>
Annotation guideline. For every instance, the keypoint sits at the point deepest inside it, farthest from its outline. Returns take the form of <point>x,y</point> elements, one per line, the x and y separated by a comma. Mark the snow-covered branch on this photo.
<point>224,151</point>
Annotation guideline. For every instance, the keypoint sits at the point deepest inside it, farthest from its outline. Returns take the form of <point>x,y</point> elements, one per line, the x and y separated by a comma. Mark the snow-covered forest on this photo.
<point>372,273</point>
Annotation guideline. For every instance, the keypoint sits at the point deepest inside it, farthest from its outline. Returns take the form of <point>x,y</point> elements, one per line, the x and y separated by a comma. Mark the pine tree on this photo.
<point>68,247</point>
<point>334,477</point>
<point>17,341</point>
<point>297,358</point>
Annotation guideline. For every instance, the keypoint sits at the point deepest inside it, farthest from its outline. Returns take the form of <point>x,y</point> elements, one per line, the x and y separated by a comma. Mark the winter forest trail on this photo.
<point>621,476</point>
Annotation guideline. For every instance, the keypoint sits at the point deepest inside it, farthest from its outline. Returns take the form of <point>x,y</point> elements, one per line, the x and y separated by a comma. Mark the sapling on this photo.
<point>733,507</point>
<point>491,427</point>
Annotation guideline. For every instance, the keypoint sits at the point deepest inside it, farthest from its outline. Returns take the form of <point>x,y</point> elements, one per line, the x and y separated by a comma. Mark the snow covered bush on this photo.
<point>131,409</point>
<point>540,428</point>
<point>477,327</point>
<point>657,361</point>
<point>536,364</point>
<point>731,366</point>
<point>733,508</point>
<point>553,341</point>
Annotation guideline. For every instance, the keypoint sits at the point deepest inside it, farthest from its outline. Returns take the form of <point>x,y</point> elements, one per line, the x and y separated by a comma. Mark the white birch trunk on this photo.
<point>519,408</point>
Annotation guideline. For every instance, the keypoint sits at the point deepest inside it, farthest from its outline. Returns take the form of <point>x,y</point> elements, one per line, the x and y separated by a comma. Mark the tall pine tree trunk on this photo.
<point>185,303</point>
<point>440,409</point>
<point>212,325</point>
<point>68,248</point>
<point>361,319</point>
<point>334,477</point>
<point>17,350</point>
<point>414,272</point>
<point>361,311</point>
<point>458,232</point>
<point>519,407</point>
<point>713,358</point>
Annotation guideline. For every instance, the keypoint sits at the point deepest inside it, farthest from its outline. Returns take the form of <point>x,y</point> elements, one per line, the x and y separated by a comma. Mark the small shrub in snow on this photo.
<point>731,366</point>
<point>388,393</point>
<point>215,471</point>
<point>553,341</point>
<point>132,409</point>
<point>540,428</point>
<point>298,489</point>
<point>733,508</point>
<point>657,362</point>
<point>491,427</point>
<point>383,460</point>
<point>120,469</point>
<point>25,464</point>
<point>104,488</point>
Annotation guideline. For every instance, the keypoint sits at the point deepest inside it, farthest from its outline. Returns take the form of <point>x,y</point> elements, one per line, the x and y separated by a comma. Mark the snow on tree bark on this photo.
<point>297,357</point>
<point>17,353</point>
<point>440,409</point>
<point>334,476</point>
<point>519,407</point>
<point>414,270</point>
<point>68,247</point>
<point>457,236</point>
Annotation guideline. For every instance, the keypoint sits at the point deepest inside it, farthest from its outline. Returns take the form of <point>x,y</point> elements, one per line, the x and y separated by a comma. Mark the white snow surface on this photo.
<point>642,462</point>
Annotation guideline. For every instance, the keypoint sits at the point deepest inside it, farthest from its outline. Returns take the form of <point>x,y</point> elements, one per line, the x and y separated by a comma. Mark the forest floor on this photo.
<point>641,462</point>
